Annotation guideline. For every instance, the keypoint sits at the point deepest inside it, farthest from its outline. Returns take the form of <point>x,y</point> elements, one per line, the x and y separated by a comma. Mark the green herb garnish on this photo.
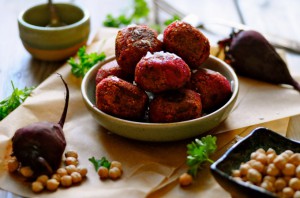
<point>85,62</point>
<point>14,100</point>
<point>199,151</point>
<point>171,20</point>
<point>141,11</point>
<point>99,162</point>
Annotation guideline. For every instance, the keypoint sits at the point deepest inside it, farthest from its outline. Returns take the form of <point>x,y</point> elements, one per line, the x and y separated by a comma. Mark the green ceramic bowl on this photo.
<point>54,43</point>
<point>161,131</point>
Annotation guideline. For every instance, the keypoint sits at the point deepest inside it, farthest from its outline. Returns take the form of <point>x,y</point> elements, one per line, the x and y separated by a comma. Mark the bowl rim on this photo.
<point>86,17</point>
<point>150,124</point>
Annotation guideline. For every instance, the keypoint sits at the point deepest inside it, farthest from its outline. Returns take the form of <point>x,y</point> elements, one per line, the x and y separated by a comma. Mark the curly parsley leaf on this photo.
<point>199,152</point>
<point>141,11</point>
<point>99,162</point>
<point>17,97</point>
<point>171,20</point>
<point>85,62</point>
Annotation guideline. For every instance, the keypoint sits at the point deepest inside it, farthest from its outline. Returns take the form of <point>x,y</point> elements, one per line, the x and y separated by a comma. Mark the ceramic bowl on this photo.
<point>240,152</point>
<point>161,131</point>
<point>54,43</point>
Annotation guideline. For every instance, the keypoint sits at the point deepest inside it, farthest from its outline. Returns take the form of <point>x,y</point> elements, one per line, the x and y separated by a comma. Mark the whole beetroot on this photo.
<point>41,145</point>
<point>251,55</point>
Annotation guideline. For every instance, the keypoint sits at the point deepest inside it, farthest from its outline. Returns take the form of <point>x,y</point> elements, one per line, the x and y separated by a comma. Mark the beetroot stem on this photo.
<point>296,85</point>
<point>64,114</point>
<point>44,163</point>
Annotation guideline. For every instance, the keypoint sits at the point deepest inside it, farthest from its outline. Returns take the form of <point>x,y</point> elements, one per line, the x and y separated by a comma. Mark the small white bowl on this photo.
<point>159,132</point>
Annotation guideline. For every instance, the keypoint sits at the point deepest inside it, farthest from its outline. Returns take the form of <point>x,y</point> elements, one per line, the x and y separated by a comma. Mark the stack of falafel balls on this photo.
<point>160,81</point>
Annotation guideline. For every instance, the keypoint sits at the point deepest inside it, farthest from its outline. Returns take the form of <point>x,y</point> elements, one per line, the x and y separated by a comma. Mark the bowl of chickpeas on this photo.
<point>263,164</point>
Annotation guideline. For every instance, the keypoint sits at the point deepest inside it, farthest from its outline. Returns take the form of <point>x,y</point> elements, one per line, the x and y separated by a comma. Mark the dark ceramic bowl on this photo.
<point>240,152</point>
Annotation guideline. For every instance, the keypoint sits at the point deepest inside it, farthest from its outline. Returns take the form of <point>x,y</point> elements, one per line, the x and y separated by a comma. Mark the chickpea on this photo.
<point>71,168</point>
<point>76,177</point>
<point>26,171</point>
<point>71,154</point>
<point>82,171</point>
<point>298,171</point>
<point>12,164</point>
<point>280,161</point>
<point>288,152</point>
<point>280,183</point>
<point>270,151</point>
<point>285,155</point>
<point>269,178</point>
<point>116,164</point>
<point>103,172</point>
<point>271,157</point>
<point>261,150</point>
<point>114,173</point>
<point>56,176</point>
<point>295,159</point>
<point>258,166</point>
<point>52,184</point>
<point>37,187</point>
<point>185,179</point>
<point>294,183</point>
<point>254,176</point>
<point>236,173</point>
<point>272,170</point>
<point>62,171</point>
<point>297,194</point>
<point>288,192</point>
<point>267,185</point>
<point>244,169</point>
<point>289,169</point>
<point>43,179</point>
<point>66,181</point>
<point>262,157</point>
<point>253,155</point>
<point>71,161</point>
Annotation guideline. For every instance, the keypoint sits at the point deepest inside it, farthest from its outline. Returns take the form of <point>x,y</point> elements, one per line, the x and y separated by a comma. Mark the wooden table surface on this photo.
<point>273,16</point>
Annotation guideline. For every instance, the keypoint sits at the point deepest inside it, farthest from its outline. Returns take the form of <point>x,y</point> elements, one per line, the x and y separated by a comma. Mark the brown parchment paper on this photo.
<point>150,169</point>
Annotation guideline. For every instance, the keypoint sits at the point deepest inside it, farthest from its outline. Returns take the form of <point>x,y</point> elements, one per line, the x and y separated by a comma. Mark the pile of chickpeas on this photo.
<point>277,173</point>
<point>66,176</point>
<point>113,172</point>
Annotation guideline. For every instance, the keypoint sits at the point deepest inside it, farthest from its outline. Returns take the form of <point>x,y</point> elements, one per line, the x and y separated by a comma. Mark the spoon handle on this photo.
<point>54,20</point>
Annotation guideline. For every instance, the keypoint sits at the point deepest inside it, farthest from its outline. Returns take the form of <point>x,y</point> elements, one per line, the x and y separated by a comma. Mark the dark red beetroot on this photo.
<point>41,145</point>
<point>251,55</point>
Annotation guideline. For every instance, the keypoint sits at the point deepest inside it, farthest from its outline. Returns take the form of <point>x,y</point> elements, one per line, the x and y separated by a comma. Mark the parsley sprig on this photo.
<point>140,11</point>
<point>199,152</point>
<point>85,62</point>
<point>99,162</point>
<point>17,97</point>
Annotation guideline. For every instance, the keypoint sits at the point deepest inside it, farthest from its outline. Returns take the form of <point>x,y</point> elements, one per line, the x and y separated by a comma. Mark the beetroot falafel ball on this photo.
<point>110,69</point>
<point>187,42</point>
<point>161,71</point>
<point>175,106</point>
<point>120,98</point>
<point>213,87</point>
<point>132,43</point>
